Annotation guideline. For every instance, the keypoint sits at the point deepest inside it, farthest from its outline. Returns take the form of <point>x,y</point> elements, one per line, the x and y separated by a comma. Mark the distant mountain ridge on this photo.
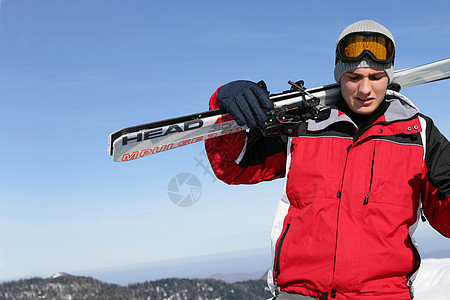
<point>441,253</point>
<point>237,277</point>
<point>66,287</point>
<point>229,266</point>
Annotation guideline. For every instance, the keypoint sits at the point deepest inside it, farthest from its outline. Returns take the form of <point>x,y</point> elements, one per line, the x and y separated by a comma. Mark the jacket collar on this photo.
<point>400,108</point>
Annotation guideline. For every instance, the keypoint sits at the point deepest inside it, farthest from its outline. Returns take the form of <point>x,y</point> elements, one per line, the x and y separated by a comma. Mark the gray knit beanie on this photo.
<point>363,26</point>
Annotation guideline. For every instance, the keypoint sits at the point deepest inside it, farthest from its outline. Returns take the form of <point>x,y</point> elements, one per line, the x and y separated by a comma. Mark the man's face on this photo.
<point>363,89</point>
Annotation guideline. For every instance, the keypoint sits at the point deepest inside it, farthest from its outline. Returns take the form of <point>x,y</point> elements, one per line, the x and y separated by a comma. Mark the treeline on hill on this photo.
<point>77,287</point>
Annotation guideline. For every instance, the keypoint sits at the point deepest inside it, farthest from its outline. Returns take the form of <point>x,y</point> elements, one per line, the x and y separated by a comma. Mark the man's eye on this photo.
<point>377,77</point>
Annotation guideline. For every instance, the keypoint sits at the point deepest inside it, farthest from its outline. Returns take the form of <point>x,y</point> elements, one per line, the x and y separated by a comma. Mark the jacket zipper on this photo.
<point>339,193</point>
<point>416,266</point>
<point>366,200</point>
<point>277,258</point>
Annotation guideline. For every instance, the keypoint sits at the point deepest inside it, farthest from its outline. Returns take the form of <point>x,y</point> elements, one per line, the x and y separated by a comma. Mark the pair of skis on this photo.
<point>143,140</point>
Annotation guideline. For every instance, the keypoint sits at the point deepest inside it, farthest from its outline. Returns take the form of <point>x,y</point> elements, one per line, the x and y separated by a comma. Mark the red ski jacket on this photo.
<point>343,227</point>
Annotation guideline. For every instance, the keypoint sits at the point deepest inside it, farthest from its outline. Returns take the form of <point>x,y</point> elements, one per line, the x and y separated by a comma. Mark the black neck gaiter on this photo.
<point>362,121</point>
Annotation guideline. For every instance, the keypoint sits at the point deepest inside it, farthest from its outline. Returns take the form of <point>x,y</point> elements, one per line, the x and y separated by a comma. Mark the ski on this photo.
<point>143,140</point>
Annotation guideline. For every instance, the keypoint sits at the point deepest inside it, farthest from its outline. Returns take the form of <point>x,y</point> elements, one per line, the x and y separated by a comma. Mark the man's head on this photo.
<point>363,44</point>
<point>365,53</point>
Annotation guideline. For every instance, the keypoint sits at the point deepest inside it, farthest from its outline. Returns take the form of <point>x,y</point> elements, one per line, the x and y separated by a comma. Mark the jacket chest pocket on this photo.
<point>315,169</point>
<point>396,173</point>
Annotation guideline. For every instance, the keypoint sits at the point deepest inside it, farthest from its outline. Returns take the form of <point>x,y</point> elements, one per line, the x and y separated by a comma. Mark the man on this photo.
<point>356,183</point>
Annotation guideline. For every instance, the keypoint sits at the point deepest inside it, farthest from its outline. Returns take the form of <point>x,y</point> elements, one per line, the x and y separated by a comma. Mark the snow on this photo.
<point>432,281</point>
<point>59,274</point>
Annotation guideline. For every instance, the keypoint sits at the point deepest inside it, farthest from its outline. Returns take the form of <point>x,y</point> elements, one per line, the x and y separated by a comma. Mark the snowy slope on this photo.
<point>433,280</point>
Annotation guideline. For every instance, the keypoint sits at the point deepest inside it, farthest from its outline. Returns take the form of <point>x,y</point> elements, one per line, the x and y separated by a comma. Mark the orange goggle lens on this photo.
<point>355,45</point>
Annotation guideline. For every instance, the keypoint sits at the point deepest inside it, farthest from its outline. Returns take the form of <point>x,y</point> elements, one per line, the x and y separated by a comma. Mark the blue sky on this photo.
<point>72,72</point>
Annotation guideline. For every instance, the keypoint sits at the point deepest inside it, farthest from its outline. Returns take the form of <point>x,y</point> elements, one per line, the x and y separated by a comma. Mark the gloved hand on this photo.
<point>245,102</point>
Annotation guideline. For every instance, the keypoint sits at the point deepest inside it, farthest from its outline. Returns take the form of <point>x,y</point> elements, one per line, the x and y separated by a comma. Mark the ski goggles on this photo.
<point>355,45</point>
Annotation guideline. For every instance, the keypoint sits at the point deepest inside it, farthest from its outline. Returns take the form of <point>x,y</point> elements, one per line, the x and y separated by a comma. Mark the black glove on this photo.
<point>245,102</point>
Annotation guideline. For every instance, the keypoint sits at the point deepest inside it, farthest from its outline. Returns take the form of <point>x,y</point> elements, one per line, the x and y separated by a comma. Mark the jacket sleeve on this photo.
<point>436,201</point>
<point>245,157</point>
